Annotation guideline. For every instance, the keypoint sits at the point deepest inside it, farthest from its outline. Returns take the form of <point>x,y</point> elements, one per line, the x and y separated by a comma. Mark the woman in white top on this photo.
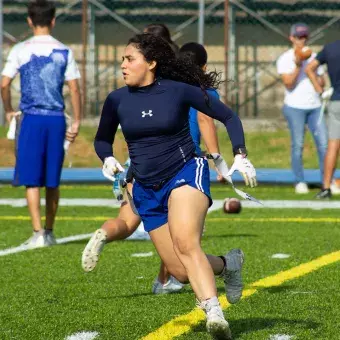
<point>302,104</point>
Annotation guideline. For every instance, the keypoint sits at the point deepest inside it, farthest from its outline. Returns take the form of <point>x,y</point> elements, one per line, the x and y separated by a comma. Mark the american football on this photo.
<point>303,53</point>
<point>232,206</point>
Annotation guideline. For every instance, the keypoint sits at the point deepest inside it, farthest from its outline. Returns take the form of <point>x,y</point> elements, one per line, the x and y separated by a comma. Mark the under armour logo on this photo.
<point>149,113</point>
<point>180,181</point>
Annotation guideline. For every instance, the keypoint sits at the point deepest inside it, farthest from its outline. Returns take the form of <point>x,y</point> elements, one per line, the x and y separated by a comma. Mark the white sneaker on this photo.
<point>216,325</point>
<point>37,240</point>
<point>172,286</point>
<point>335,189</point>
<point>93,249</point>
<point>140,234</point>
<point>301,188</point>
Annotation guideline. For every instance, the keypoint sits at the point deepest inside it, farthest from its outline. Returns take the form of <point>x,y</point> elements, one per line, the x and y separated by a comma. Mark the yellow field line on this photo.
<point>183,324</point>
<point>86,187</point>
<point>209,219</point>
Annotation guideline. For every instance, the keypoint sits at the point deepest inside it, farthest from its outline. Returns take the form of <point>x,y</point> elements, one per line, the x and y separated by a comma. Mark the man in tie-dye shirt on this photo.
<point>44,64</point>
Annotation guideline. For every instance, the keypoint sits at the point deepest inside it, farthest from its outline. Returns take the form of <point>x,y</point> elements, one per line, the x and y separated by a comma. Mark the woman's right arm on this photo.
<point>289,70</point>
<point>289,79</point>
<point>107,127</point>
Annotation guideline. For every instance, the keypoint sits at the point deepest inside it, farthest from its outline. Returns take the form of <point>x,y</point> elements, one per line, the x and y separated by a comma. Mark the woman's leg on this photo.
<point>162,241</point>
<point>187,210</point>
<point>319,132</point>
<point>115,229</point>
<point>228,266</point>
<point>296,121</point>
<point>165,248</point>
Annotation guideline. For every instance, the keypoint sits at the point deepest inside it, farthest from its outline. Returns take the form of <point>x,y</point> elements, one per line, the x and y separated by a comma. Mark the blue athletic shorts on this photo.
<point>40,151</point>
<point>151,201</point>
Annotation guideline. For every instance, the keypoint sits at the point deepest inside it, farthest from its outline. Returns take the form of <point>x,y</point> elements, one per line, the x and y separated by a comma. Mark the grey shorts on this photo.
<point>334,119</point>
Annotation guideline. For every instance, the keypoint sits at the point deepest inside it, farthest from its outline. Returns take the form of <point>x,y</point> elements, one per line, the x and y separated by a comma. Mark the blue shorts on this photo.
<point>151,202</point>
<point>40,151</point>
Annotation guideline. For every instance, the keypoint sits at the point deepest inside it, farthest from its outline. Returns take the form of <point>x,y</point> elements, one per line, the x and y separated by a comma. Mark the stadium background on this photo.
<point>252,33</point>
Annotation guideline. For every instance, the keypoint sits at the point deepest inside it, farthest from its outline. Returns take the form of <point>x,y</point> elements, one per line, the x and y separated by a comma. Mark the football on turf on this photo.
<point>303,53</point>
<point>232,206</point>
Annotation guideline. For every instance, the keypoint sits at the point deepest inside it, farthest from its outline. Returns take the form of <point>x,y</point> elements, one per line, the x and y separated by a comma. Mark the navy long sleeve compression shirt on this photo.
<point>155,124</point>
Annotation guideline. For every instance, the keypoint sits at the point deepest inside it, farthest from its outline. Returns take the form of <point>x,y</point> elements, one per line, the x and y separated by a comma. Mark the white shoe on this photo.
<point>216,325</point>
<point>93,249</point>
<point>172,286</point>
<point>140,234</point>
<point>37,240</point>
<point>335,189</point>
<point>301,188</point>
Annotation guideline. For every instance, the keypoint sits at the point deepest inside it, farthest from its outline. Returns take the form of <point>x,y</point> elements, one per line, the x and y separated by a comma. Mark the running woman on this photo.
<point>128,220</point>
<point>171,185</point>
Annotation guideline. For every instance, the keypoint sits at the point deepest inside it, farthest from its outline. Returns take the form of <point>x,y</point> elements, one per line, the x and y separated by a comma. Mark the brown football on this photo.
<point>303,53</point>
<point>232,206</point>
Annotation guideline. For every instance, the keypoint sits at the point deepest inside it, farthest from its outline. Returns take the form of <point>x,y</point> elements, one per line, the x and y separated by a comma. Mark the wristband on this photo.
<point>240,151</point>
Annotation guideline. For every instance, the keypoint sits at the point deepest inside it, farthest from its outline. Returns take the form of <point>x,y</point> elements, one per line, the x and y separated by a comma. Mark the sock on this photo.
<point>48,230</point>
<point>224,264</point>
<point>209,304</point>
<point>212,301</point>
<point>38,232</point>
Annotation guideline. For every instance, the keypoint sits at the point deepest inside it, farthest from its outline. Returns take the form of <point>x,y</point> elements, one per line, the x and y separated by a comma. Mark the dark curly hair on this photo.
<point>196,52</point>
<point>160,30</point>
<point>182,69</point>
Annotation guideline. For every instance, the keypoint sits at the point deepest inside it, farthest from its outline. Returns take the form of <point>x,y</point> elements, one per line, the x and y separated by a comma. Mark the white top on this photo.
<point>44,64</point>
<point>303,95</point>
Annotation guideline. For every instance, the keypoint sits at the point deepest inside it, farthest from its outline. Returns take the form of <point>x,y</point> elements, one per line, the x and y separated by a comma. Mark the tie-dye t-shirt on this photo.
<point>44,65</point>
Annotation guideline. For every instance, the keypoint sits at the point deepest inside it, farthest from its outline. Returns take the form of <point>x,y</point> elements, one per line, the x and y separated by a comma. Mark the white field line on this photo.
<point>63,240</point>
<point>280,337</point>
<point>19,249</point>
<point>74,202</point>
<point>280,256</point>
<point>82,336</point>
<point>142,254</point>
<point>99,202</point>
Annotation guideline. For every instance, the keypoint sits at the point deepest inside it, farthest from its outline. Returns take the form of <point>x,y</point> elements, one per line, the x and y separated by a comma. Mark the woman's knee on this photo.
<point>129,218</point>
<point>297,147</point>
<point>132,224</point>
<point>185,247</point>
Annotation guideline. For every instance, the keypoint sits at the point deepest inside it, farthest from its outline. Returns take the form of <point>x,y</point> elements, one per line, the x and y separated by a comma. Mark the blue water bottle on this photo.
<point>117,188</point>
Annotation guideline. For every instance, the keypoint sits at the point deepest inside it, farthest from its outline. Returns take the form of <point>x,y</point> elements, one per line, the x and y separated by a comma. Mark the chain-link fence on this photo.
<point>243,39</point>
<point>260,29</point>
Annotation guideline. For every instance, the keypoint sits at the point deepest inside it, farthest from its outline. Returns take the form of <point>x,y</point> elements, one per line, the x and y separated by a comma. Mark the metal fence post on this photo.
<point>91,69</point>
<point>201,15</point>
<point>84,53</point>
<point>2,113</point>
<point>226,48</point>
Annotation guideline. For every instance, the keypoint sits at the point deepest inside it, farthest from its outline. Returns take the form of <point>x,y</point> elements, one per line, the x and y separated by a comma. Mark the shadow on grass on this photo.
<point>249,325</point>
<point>221,291</point>
<point>279,289</point>
<point>187,290</point>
